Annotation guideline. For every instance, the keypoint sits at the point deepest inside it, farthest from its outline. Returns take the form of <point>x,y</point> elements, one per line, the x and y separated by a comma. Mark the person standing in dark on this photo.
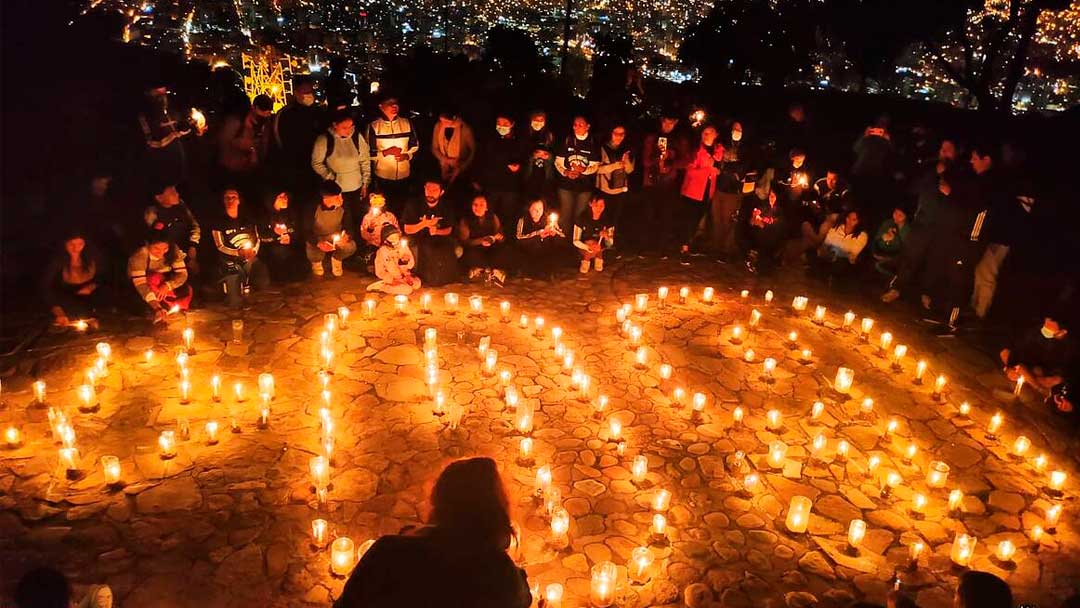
<point>540,243</point>
<point>281,241</point>
<point>163,156</point>
<point>393,146</point>
<point>453,145</point>
<point>244,145</point>
<point>794,132</point>
<point>698,187</point>
<point>295,128</point>
<point>481,234</point>
<point>729,192</point>
<point>236,239</point>
<point>664,154</point>
<point>428,223</point>
<point>72,281</point>
<point>342,155</point>
<point>873,169</point>
<point>1009,225</point>
<point>540,149</point>
<point>502,166</point>
<point>577,160</point>
<point>764,229</point>
<point>461,554</point>
<point>171,215</point>
<point>612,176</point>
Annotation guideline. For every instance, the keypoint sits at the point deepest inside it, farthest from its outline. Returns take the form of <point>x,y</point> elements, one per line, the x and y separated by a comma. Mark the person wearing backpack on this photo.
<point>342,155</point>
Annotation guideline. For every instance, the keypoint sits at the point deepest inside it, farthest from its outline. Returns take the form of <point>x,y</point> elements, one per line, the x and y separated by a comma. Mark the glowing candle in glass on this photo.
<point>641,302</point>
<point>798,303</point>
<point>792,338</point>
<point>844,378</point>
<point>524,419</point>
<point>855,533</point>
<point>602,588</point>
<point>866,326</point>
<point>751,483</point>
<point>215,387</point>
<point>476,305</point>
<point>1057,480</point>
<point>525,449</point>
<point>110,470</point>
<point>425,303</point>
<point>678,395</point>
<point>707,295</point>
<point>450,300</point>
<point>640,468</point>
<point>69,460</point>
<point>1019,388</point>
<point>819,315</point>
<point>1040,462</point>
<point>638,566</point>
<point>661,295</point>
<point>872,464</point>
<point>342,556</point>
<point>641,357</point>
<point>994,425</point>
<point>915,549</point>
<point>552,499</point>
<point>1036,535</point>
<point>600,405</point>
<point>560,525</point>
<point>920,370</point>
<point>266,384</point>
<point>320,471</point>
<point>39,391</point>
<point>635,336</point>
<point>553,595</point>
<point>777,454</point>
<point>817,448</point>
<point>538,323</point>
<point>774,420</point>
<point>1053,514</point>
<point>319,529</point>
<point>910,452</point>
<point>886,341</point>
<point>963,548</point>
<point>491,359</point>
<point>744,294</point>
<point>401,302</point>
<point>755,318</point>
<point>543,479</point>
<point>511,398</point>
<point>768,366</point>
<point>937,475</point>
<point>736,334</point>
<point>615,429</point>
<point>684,294</point>
<point>238,391</point>
<point>817,410</point>
<point>749,355</point>
<point>330,321</point>
<point>939,386</point>
<point>842,450</point>
<point>188,336</point>
<point>798,515</point>
<point>659,525</point>
<point>12,437</point>
<point>849,319</point>
<point>167,444</point>
<point>211,428</point>
<point>665,371</point>
<point>1021,446</point>
<point>956,500</point>
<point>866,408</point>
<point>1005,551</point>
<point>369,308</point>
<point>438,405</point>
<point>768,296</point>
<point>343,316</point>
<point>698,402</point>
<point>661,500</point>
<point>918,502</point>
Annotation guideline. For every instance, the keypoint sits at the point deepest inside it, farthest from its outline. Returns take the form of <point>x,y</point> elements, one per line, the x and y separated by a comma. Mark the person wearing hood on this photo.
<point>395,145</point>
<point>576,160</point>
<point>295,128</point>
<point>503,166</point>
<point>394,262</point>
<point>763,228</point>
<point>453,146</point>
<point>539,144</point>
<point>342,155</point>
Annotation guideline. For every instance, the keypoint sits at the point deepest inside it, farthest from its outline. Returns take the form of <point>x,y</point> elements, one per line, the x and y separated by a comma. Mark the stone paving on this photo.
<point>229,524</point>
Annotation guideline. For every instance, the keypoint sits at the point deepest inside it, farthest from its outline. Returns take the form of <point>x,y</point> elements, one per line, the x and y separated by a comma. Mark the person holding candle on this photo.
<point>328,231</point>
<point>236,238</point>
<point>577,161</point>
<point>280,237</point>
<point>395,145</point>
<point>540,242</point>
<point>458,559</point>
<point>593,234</point>
<point>664,155</point>
<point>1046,359</point>
<point>838,255</point>
<point>393,265</point>
<point>428,224</point>
<point>159,275</point>
<point>481,236</point>
<point>453,145</point>
<point>612,177</point>
<point>735,179</point>
<point>889,241</point>
<point>163,157</point>
<point>371,226</point>
<point>72,281</point>
<point>539,143</point>
<point>762,230</point>
<point>698,186</point>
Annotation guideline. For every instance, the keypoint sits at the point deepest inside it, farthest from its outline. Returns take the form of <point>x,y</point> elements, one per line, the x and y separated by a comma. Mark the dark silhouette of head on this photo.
<point>469,506</point>
<point>982,590</point>
<point>43,588</point>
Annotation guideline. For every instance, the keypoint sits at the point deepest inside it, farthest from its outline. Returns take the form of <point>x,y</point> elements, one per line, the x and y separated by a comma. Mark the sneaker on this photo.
<point>890,296</point>
<point>598,264</point>
<point>335,267</point>
<point>317,269</point>
<point>498,277</point>
<point>475,273</point>
<point>584,267</point>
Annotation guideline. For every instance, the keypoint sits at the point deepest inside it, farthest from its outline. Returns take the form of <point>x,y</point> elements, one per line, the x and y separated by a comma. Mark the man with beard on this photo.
<point>428,223</point>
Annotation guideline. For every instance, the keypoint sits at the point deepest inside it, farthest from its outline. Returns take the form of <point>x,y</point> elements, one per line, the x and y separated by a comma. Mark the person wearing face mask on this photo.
<point>1045,357</point>
<point>731,185</point>
<point>295,128</point>
<point>539,142</point>
<point>503,167</point>
<point>394,145</point>
<point>697,188</point>
<point>243,145</point>
<point>453,146</point>
<point>342,155</point>
<point>577,159</point>
<point>163,156</point>
<point>236,239</point>
<point>612,177</point>
<point>541,244</point>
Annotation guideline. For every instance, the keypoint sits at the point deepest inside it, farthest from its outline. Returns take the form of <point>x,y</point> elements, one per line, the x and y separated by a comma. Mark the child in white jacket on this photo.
<point>394,262</point>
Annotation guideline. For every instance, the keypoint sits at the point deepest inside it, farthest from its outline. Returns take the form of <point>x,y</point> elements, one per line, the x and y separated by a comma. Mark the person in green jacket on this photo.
<point>889,241</point>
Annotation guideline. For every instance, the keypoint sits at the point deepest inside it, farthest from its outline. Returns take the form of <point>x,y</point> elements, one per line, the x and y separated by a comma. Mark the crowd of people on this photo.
<point>311,188</point>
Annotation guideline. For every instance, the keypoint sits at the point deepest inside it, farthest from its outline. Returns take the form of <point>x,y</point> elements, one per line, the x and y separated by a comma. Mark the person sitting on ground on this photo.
<point>281,241</point>
<point>889,241</point>
<point>843,244</point>
<point>170,214</point>
<point>460,555</point>
<point>71,284</point>
<point>236,238</point>
<point>1044,359</point>
<point>982,590</point>
<point>593,234</point>
<point>795,180</point>
<point>329,230</point>
<point>394,262</point>
<point>428,223</point>
<point>159,275</point>
<point>540,241</point>
<point>763,230</point>
<point>377,217</point>
<point>481,236</point>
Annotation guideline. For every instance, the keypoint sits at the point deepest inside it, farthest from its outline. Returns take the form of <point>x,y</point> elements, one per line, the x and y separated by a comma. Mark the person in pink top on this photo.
<point>394,262</point>
<point>698,187</point>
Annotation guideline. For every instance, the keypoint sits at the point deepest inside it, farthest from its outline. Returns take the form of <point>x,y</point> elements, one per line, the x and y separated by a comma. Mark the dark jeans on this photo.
<point>657,211</point>
<point>723,209</point>
<point>615,208</point>
<point>436,262</point>
<point>571,204</point>
<point>493,257</point>
<point>690,214</point>
<point>910,262</point>
<point>286,262</point>
<point>76,306</point>
<point>234,277</point>
<point>538,258</point>
<point>357,205</point>
<point>505,204</point>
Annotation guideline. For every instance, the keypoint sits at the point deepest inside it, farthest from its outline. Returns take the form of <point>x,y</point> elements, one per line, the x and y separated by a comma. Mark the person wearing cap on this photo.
<point>395,144</point>
<point>394,262</point>
<point>329,231</point>
<point>378,216</point>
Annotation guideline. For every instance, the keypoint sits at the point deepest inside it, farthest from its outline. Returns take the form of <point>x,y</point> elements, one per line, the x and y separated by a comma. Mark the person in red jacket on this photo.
<point>663,156</point>
<point>698,187</point>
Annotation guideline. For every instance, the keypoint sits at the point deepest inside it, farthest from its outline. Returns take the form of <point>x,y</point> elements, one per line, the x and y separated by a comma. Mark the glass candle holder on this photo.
<point>819,315</point>
<point>856,533</point>
<point>641,558</point>
<point>602,587</point>
<point>798,515</point>
<point>110,469</point>
<point>937,474</point>
<point>342,556</point>
<point>777,454</point>
<point>319,530</point>
<point>798,303</point>
<point>963,548</point>
<point>843,380</point>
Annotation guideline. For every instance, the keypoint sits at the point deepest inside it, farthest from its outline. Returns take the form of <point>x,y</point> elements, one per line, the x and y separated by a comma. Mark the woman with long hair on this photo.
<point>71,283</point>
<point>458,560</point>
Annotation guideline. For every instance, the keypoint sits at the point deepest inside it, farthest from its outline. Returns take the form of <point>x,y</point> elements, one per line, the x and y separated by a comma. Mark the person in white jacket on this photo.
<point>395,144</point>
<point>342,156</point>
<point>839,254</point>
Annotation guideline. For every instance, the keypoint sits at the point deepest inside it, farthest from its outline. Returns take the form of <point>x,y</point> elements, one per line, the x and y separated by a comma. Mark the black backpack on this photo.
<point>330,137</point>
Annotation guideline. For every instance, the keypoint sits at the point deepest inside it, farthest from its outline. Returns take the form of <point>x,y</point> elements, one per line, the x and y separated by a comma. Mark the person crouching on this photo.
<point>394,262</point>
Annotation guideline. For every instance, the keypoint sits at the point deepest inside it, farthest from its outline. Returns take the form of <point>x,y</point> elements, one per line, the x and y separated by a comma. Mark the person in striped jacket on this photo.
<point>159,275</point>
<point>394,142</point>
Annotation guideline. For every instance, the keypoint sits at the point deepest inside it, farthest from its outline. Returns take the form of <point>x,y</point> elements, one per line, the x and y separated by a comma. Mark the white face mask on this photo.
<point>501,130</point>
<point>1047,333</point>
<point>736,135</point>
<point>306,100</point>
<point>581,137</point>
<point>537,125</point>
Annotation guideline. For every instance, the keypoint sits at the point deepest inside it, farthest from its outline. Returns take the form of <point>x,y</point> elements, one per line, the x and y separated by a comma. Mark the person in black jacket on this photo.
<point>459,560</point>
<point>171,215</point>
<point>539,143</point>
<point>481,234</point>
<point>502,159</point>
<point>1008,224</point>
<point>236,238</point>
<point>540,244</point>
<point>71,283</point>
<point>282,245</point>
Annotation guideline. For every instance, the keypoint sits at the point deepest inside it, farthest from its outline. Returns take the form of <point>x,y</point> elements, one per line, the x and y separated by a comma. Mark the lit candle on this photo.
<point>994,425</point>
<point>320,471</point>
<point>110,469</point>
<point>748,356</point>
<point>185,392</point>
<point>504,377</point>
<point>39,392</point>
<point>543,479</point>
<point>552,499</point>
<point>238,391</point>
<point>438,407</point>
<point>699,402</point>
<point>661,295</point>
<point>659,526</point>
<point>215,387</point>
<point>962,549</point>
<point>327,359</point>
<point>1057,480</point>
<point>640,357</point>
<point>774,420</point>
<point>751,483</point>
<point>602,590</point>
<point>601,404</point>
<point>707,295</point>
<point>817,410</point>
<point>1053,514</point>
<point>524,419</point>
<point>266,384</point>
<point>939,386</point>
<point>872,464</point>
<point>744,294</point>
<point>343,315</point>
<point>12,437</point>
<point>80,325</point>
<point>69,460</point>
<point>511,398</point>
<point>103,350</point>
<point>798,303</point>
<point>167,444</point>
<point>451,302</point>
<point>867,325</point>
<point>892,480</point>
<point>964,409</point>
<point>1040,463</point>
<point>768,367</point>
<point>318,532</point>
<point>819,315</point>
<point>842,450</point>
<point>369,308</point>
<point>491,359</point>
<point>539,323</point>
<point>526,448</point>
<point>640,468</point>
<point>855,533</point>
<point>755,318</point>
<point>641,302</point>
<point>425,302</point>
<point>914,551</point>
<point>918,502</point>
<point>211,428</point>
<point>1005,551</point>
<point>504,311</point>
<point>920,369</point>
<point>736,334</point>
<point>886,341</point>
<point>737,416</point>
<point>956,499</point>
<point>523,321</point>
<point>910,452</point>
<point>849,318</point>
<point>844,378</point>
<point>777,454</point>
<point>1036,535</point>
<point>640,560</point>
<point>661,501</point>
<point>818,446</point>
<point>798,516</point>
<point>342,556</point>
<point>678,395</point>
<point>684,294</point>
<point>101,367</point>
<point>937,475</point>
<point>401,301</point>
<point>665,371</point>
<point>584,385</point>
<point>792,337</point>
<point>615,429</point>
<point>568,359</point>
<point>635,335</point>
<point>188,336</point>
<point>148,356</point>
<point>898,355</point>
<point>1021,446</point>
<point>476,305</point>
<point>1019,388</point>
<point>560,525</point>
<point>553,595</point>
<point>768,296</point>
<point>621,314</point>
<point>264,412</point>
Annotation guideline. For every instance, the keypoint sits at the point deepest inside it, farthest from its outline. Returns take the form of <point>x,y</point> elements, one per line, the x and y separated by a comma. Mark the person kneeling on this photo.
<point>159,275</point>
<point>237,242</point>
<point>281,241</point>
<point>541,244</point>
<point>593,234</point>
<point>372,224</point>
<point>394,262</point>
<point>481,238</point>
<point>1045,359</point>
<point>839,253</point>
<point>328,232</point>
